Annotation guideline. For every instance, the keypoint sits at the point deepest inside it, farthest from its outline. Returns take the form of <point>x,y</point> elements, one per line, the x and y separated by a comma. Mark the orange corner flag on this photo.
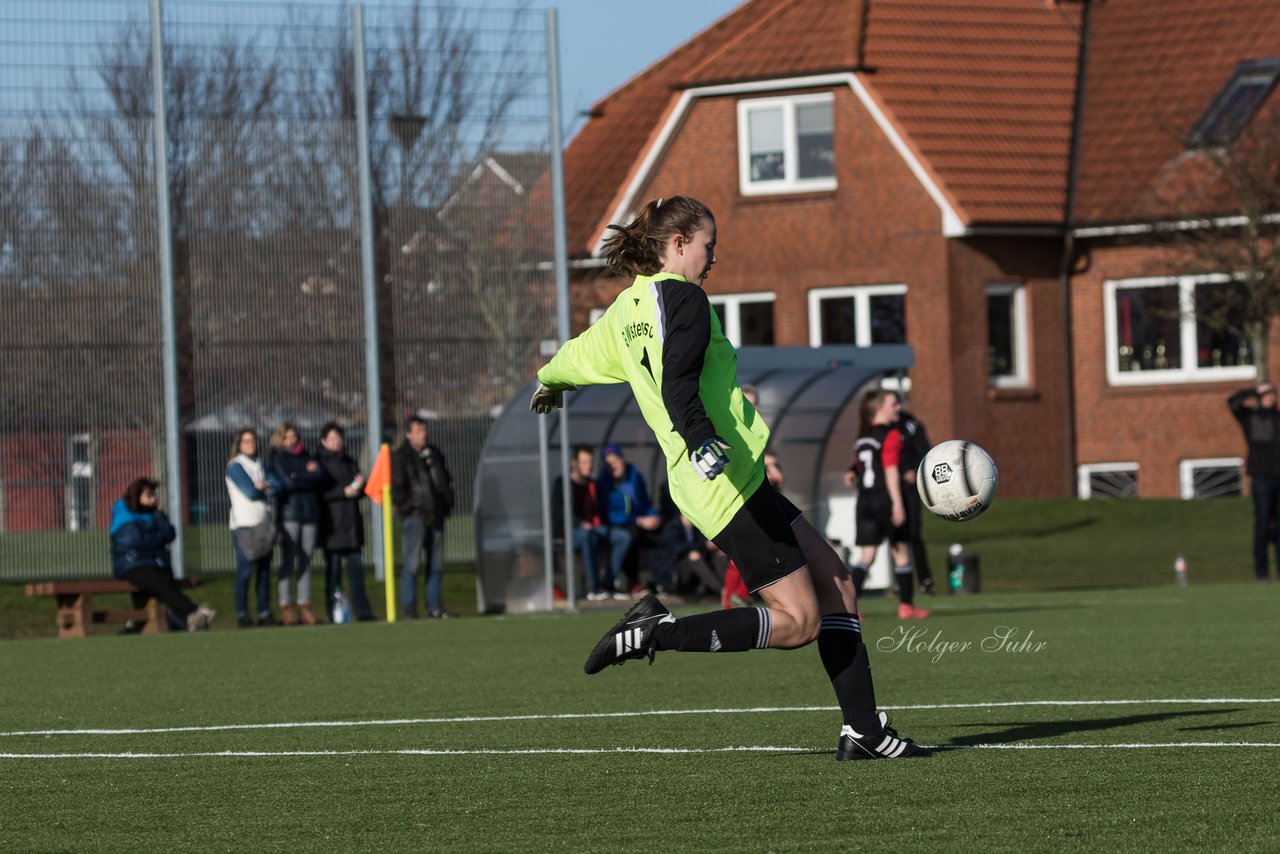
<point>380,477</point>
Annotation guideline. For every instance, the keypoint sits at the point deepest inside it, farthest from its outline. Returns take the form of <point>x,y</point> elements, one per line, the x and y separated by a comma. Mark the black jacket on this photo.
<point>915,442</point>
<point>1262,432</point>
<point>421,484</point>
<point>298,487</point>
<point>341,526</point>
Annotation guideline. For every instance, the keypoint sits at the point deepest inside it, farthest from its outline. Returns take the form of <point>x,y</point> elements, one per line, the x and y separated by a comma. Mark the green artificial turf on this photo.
<point>508,695</point>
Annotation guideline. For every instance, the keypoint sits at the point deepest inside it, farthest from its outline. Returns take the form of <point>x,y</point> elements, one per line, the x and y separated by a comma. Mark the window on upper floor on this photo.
<point>745,319</point>
<point>1235,105</point>
<point>786,145</point>
<point>1007,365</point>
<point>1176,329</point>
<point>862,315</point>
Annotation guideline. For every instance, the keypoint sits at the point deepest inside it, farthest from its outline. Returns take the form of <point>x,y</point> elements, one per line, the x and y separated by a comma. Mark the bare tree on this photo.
<point>1219,208</point>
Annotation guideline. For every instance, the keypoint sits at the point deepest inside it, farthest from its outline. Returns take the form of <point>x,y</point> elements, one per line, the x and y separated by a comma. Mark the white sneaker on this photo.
<point>199,619</point>
<point>597,596</point>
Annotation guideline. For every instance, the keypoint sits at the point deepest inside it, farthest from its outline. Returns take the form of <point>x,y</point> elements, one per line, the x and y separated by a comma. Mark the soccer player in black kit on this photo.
<point>882,513</point>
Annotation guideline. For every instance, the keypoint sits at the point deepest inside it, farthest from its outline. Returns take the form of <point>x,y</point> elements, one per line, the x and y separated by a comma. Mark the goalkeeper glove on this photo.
<point>547,399</point>
<point>710,459</point>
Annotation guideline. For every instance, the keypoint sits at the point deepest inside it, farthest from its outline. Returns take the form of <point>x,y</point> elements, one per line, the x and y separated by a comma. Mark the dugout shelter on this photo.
<point>808,395</point>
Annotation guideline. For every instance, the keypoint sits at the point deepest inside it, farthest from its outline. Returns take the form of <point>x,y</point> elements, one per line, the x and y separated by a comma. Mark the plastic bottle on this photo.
<point>1180,570</point>
<point>955,578</point>
<point>341,610</point>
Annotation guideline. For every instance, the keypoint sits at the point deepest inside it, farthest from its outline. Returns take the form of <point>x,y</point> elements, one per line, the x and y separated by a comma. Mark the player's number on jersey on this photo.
<point>867,458</point>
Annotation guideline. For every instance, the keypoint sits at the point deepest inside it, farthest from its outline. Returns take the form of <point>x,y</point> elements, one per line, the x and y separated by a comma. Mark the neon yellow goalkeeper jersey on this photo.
<point>661,336</point>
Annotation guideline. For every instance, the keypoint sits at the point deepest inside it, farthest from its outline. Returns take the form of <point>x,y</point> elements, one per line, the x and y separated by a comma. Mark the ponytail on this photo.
<point>635,249</point>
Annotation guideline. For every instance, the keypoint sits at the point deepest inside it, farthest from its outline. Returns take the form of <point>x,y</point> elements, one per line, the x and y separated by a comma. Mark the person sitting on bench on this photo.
<point>140,538</point>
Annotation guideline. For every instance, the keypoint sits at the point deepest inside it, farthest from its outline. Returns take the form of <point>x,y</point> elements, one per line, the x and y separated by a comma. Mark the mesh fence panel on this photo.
<point>266,247</point>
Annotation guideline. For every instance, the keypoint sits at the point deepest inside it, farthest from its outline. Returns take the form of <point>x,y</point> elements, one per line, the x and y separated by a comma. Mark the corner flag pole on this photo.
<point>389,553</point>
<point>378,488</point>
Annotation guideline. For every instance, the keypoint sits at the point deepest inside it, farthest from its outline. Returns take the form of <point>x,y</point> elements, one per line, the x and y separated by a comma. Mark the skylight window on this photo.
<point>1235,105</point>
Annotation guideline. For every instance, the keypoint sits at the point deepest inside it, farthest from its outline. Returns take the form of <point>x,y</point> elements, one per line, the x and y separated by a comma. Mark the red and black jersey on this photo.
<point>873,453</point>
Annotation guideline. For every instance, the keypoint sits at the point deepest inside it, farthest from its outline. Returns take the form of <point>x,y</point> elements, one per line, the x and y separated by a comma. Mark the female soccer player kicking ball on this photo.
<point>661,336</point>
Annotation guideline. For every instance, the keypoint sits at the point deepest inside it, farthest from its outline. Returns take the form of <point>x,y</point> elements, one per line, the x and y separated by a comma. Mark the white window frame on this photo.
<point>790,154</point>
<point>732,303</point>
<point>1021,376</point>
<point>861,295</point>
<point>1186,335</point>
<point>1084,470</point>
<point>1186,471</point>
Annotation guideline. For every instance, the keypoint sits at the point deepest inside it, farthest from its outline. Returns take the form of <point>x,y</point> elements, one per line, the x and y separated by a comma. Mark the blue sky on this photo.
<point>604,43</point>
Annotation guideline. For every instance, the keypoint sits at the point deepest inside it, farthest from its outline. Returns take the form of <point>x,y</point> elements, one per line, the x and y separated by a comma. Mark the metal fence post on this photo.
<point>561,261</point>
<point>373,384</point>
<point>176,499</point>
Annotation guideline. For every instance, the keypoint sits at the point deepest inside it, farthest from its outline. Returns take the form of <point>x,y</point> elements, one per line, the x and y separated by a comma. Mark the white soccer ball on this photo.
<point>957,480</point>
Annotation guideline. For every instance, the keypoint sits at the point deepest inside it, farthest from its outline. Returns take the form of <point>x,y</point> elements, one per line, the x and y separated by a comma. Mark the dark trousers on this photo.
<point>1266,521</point>
<point>160,582</point>
<point>333,559</point>
<point>915,515</point>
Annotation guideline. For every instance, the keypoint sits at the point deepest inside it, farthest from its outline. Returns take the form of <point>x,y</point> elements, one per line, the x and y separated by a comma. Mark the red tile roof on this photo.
<point>1152,74</point>
<point>981,92</point>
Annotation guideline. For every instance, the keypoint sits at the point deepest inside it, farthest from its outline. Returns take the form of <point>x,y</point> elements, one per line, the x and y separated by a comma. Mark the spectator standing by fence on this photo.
<point>253,526</point>
<point>341,525</point>
<point>422,491</point>
<point>140,538</point>
<point>1255,409</point>
<point>300,480</point>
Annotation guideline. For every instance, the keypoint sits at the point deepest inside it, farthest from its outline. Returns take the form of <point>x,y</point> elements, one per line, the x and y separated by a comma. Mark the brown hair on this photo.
<point>635,249</point>
<point>133,493</point>
<point>870,403</point>
<point>235,443</point>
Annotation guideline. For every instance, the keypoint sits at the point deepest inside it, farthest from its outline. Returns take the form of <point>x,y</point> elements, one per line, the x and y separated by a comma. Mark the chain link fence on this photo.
<point>263,204</point>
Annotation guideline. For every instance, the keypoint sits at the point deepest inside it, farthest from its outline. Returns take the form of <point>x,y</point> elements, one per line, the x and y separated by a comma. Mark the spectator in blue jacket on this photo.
<point>626,510</point>
<point>301,479</point>
<point>140,538</point>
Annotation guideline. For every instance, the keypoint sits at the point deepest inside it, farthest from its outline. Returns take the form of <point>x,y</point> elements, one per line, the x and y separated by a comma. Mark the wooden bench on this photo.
<point>76,616</point>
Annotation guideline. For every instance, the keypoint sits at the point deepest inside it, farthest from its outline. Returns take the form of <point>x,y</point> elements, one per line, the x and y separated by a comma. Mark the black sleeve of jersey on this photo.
<point>686,323</point>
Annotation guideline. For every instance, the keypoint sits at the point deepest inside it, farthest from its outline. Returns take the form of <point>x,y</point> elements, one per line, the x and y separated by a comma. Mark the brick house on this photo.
<point>906,170</point>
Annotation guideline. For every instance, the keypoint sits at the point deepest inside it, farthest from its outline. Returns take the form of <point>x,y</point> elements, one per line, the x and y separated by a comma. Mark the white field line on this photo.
<point>272,754</point>
<point>652,713</point>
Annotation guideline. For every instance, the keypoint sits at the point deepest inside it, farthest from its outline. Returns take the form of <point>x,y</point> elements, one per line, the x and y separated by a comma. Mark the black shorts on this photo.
<point>875,521</point>
<point>760,540</point>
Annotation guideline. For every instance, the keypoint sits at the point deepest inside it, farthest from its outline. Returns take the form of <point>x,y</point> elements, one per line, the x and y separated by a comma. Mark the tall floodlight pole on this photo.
<point>561,260</point>
<point>368,290</point>
<point>168,319</point>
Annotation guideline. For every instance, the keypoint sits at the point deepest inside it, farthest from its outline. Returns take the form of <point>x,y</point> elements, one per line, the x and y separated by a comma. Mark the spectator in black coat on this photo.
<point>422,492</point>
<point>341,525</point>
<point>299,477</point>
<point>140,538</point>
<point>1255,409</point>
<point>679,561</point>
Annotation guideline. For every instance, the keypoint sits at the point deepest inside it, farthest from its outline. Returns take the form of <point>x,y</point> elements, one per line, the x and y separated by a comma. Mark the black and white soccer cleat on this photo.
<point>886,744</point>
<point>632,637</point>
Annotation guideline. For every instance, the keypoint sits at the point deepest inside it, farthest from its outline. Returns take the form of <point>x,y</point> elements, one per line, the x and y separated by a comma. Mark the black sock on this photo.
<point>859,574</point>
<point>844,656</point>
<point>906,583</point>
<point>734,630</point>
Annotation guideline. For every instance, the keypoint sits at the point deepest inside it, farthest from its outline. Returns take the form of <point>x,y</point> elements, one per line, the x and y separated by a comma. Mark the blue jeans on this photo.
<point>619,539</point>
<point>244,571</point>
<point>355,581</point>
<point>1266,521</point>
<point>420,539</point>
<point>587,541</point>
